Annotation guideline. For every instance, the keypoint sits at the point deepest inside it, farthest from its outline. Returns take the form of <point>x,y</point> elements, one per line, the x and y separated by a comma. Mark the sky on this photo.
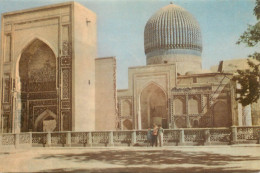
<point>121,27</point>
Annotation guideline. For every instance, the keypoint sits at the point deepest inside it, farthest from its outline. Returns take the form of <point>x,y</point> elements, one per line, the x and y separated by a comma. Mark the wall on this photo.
<point>84,41</point>
<point>106,112</point>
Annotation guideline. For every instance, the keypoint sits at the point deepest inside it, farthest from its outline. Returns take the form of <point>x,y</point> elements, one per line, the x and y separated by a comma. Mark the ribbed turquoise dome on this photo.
<point>172,30</point>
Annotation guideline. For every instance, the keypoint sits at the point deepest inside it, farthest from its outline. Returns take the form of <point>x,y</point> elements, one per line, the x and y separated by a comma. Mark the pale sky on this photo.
<point>121,26</point>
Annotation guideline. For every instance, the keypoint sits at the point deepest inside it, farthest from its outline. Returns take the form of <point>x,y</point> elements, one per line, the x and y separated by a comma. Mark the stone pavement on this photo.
<point>190,159</point>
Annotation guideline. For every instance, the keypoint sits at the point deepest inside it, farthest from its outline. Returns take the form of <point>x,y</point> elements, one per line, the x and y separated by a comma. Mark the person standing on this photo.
<point>155,133</point>
<point>149,137</point>
<point>160,135</point>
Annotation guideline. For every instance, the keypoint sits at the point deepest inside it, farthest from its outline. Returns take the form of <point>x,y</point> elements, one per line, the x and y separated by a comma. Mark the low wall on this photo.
<point>172,137</point>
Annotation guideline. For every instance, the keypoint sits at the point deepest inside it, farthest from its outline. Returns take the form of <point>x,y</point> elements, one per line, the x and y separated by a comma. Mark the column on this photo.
<point>111,139</point>
<point>133,141</point>
<point>31,139</point>
<point>181,137</point>
<point>239,107</point>
<point>17,111</point>
<point>240,114</point>
<point>247,119</point>
<point>68,139</point>
<point>139,114</point>
<point>207,136</point>
<point>16,137</point>
<point>48,139</point>
<point>90,139</point>
<point>187,110</point>
<point>173,123</point>
<point>234,134</point>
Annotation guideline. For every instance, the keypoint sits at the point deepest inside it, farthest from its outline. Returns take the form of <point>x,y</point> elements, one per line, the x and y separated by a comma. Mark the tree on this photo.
<point>249,78</point>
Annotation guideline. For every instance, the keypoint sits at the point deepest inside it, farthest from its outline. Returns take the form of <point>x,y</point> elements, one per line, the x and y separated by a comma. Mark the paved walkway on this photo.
<point>193,159</point>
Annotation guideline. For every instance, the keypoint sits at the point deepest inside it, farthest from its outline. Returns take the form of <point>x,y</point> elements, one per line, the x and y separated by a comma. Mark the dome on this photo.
<point>172,34</point>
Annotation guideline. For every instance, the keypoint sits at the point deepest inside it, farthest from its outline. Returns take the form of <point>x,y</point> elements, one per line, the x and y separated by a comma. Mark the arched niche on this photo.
<point>37,77</point>
<point>179,108</point>
<point>153,102</point>
<point>193,106</point>
<point>126,108</point>
<point>127,125</point>
<point>46,121</point>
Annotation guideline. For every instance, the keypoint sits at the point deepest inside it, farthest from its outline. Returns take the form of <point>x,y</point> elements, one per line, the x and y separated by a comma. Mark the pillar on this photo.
<point>240,114</point>
<point>16,137</point>
<point>133,141</point>
<point>234,134</point>
<point>17,112</point>
<point>111,139</point>
<point>181,137</point>
<point>48,139</point>
<point>207,136</point>
<point>90,139</point>
<point>139,114</point>
<point>247,119</point>
<point>31,139</point>
<point>68,139</point>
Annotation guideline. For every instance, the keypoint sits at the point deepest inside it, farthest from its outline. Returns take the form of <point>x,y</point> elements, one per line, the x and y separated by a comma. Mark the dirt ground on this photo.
<point>193,159</point>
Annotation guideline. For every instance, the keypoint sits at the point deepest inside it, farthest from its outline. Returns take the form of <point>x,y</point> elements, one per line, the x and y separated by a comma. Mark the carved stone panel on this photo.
<point>6,123</point>
<point>66,121</point>
<point>65,79</point>
<point>6,88</point>
<point>7,50</point>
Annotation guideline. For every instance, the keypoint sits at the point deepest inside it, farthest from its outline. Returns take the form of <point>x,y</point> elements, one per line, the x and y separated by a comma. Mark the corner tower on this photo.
<point>173,35</point>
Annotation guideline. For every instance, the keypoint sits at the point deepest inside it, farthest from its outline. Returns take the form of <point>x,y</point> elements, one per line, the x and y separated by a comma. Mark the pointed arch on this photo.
<point>179,108</point>
<point>31,38</point>
<point>27,44</point>
<point>46,114</point>
<point>154,83</point>
<point>193,105</point>
<point>153,103</point>
<point>36,80</point>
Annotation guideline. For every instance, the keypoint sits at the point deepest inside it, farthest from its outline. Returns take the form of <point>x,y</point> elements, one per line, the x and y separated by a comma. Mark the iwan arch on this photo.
<point>52,79</point>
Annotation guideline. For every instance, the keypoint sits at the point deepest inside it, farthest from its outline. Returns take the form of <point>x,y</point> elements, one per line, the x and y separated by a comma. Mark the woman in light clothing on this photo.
<point>160,135</point>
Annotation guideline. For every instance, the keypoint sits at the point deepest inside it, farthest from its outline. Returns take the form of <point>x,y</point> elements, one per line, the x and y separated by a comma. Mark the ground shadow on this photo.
<point>209,162</point>
<point>154,170</point>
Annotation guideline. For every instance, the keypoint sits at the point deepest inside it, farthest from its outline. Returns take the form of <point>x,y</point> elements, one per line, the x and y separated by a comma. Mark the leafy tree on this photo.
<point>249,78</point>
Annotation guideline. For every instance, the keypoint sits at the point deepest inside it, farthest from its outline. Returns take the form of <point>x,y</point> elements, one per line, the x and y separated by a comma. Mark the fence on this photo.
<point>172,137</point>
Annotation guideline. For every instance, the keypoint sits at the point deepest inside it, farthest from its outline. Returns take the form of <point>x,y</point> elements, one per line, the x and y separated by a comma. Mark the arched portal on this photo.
<point>38,77</point>
<point>153,104</point>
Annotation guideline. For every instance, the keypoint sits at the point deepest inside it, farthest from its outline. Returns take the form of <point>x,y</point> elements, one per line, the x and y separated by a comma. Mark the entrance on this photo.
<point>37,75</point>
<point>153,107</point>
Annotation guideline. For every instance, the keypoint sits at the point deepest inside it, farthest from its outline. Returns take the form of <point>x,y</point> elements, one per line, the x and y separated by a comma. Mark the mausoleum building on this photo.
<point>52,79</point>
